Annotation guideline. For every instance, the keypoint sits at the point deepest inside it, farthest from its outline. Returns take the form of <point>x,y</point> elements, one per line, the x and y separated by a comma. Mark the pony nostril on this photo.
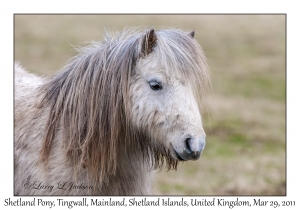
<point>190,148</point>
<point>187,145</point>
<point>194,147</point>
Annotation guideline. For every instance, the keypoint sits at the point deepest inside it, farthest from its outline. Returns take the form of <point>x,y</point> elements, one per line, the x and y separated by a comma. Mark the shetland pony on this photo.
<point>118,110</point>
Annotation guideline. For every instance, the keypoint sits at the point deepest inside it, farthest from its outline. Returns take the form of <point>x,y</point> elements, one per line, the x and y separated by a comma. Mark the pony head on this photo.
<point>165,87</point>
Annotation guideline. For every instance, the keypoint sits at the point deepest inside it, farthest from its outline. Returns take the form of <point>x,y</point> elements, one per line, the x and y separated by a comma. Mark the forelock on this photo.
<point>181,55</point>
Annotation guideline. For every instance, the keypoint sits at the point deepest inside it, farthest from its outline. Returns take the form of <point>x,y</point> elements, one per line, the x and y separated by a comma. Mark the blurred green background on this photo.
<point>244,117</point>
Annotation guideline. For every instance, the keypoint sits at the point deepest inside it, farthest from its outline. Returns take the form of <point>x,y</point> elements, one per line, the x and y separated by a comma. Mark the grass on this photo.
<point>244,118</point>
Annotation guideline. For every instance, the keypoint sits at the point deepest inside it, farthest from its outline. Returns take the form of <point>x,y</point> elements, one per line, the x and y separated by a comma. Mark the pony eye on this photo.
<point>155,85</point>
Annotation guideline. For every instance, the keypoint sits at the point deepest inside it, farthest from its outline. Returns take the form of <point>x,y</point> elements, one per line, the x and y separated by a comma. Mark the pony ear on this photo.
<point>192,34</point>
<point>148,42</point>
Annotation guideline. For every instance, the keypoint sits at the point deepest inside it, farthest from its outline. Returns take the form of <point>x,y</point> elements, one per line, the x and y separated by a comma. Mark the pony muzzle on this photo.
<point>191,149</point>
